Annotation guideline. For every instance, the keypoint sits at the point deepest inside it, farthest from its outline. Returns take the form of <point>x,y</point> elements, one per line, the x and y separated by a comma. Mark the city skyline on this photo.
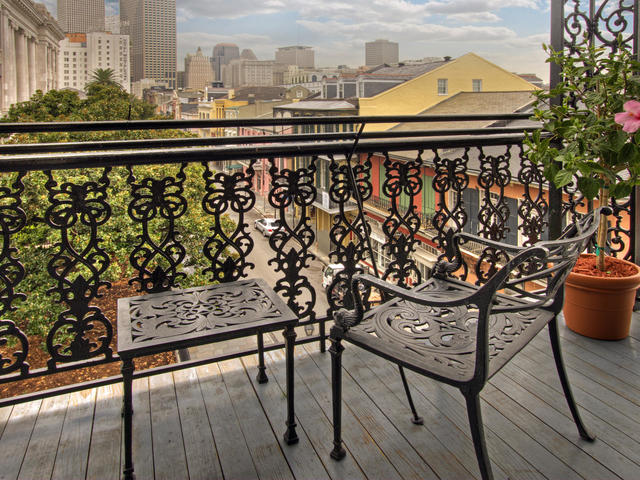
<point>509,32</point>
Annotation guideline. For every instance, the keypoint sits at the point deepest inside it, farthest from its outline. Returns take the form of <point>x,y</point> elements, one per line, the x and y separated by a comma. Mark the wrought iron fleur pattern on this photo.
<point>349,232</point>
<point>293,190</point>
<point>534,207</point>
<point>12,220</point>
<point>228,251</point>
<point>494,177</point>
<point>402,180</point>
<point>601,22</point>
<point>76,211</point>
<point>451,177</point>
<point>156,205</point>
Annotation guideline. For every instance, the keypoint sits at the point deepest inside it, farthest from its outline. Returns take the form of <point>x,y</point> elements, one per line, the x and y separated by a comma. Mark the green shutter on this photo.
<point>428,196</point>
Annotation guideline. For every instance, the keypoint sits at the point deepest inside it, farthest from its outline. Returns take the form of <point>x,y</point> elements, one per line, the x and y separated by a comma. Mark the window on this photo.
<point>476,85</point>
<point>443,86</point>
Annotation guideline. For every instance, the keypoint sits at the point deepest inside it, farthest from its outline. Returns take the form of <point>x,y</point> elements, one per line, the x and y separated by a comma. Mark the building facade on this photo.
<point>254,73</point>
<point>151,26</point>
<point>380,51</point>
<point>198,72</point>
<point>81,54</point>
<point>223,53</point>
<point>112,24</point>
<point>303,57</point>
<point>29,37</point>
<point>81,16</point>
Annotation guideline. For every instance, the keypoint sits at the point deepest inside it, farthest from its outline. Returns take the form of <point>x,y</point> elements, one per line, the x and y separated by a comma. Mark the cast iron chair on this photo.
<point>462,334</point>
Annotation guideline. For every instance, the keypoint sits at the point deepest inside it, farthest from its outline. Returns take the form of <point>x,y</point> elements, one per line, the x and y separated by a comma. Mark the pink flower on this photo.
<point>630,118</point>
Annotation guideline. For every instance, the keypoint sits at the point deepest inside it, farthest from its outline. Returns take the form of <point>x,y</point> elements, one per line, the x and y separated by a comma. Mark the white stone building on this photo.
<point>198,71</point>
<point>29,38</point>
<point>82,54</point>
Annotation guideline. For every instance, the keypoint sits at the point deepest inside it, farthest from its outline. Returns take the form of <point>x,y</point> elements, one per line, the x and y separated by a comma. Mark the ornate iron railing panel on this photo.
<point>78,263</point>
<point>492,166</point>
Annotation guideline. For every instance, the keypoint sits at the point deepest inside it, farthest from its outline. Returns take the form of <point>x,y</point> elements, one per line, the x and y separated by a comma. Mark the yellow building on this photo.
<point>216,109</point>
<point>468,73</point>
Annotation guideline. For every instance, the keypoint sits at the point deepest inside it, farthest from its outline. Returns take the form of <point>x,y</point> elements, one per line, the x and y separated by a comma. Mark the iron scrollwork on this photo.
<point>451,177</point>
<point>402,182</point>
<point>293,190</point>
<point>156,205</point>
<point>76,211</point>
<point>12,220</point>
<point>224,194</point>
<point>533,208</point>
<point>494,177</point>
<point>349,232</point>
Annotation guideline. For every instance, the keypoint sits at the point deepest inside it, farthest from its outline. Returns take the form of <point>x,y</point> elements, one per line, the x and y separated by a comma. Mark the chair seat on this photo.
<point>440,342</point>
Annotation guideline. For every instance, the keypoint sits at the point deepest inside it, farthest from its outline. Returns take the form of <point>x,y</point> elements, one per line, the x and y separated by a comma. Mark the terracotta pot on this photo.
<point>600,307</point>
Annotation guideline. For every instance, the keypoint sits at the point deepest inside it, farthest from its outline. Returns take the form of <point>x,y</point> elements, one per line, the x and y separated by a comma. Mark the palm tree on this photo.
<point>104,76</point>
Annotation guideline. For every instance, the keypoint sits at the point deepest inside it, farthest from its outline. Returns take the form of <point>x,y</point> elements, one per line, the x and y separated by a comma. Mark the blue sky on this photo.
<point>506,32</point>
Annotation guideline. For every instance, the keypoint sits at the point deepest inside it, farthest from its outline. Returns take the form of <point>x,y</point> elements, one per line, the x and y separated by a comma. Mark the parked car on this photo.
<point>329,273</point>
<point>267,225</point>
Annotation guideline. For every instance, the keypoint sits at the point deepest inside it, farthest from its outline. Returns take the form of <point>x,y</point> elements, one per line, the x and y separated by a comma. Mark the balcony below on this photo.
<point>215,421</point>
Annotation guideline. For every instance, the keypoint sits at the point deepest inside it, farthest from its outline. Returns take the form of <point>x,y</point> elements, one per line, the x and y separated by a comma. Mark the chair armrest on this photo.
<point>482,297</point>
<point>485,241</point>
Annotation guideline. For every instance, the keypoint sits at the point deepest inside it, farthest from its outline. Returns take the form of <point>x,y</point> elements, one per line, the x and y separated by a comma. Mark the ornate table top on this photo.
<point>200,315</point>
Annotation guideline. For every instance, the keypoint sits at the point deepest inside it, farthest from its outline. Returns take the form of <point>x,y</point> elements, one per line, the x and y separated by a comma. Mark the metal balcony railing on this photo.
<point>76,209</point>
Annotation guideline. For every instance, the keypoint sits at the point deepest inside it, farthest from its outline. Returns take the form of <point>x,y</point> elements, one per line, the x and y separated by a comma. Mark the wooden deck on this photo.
<point>217,422</point>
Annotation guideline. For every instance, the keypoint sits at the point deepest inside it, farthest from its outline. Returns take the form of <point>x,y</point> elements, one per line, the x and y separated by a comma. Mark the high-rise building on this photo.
<point>223,53</point>
<point>81,16</point>
<point>197,70</point>
<point>151,26</point>
<point>81,54</point>
<point>112,24</point>
<point>379,52</point>
<point>303,57</point>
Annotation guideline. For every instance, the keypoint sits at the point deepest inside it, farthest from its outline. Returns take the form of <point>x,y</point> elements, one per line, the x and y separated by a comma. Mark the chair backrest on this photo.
<point>550,273</point>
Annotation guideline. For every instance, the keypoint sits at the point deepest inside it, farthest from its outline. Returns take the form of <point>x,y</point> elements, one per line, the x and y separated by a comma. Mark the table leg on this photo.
<point>290,436</point>
<point>262,375</point>
<point>127,412</point>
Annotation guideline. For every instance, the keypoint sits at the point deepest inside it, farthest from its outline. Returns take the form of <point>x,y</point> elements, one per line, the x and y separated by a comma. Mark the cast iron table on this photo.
<point>167,321</point>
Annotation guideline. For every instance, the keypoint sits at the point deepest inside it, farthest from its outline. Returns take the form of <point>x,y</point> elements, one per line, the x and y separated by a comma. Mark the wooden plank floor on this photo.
<point>216,422</point>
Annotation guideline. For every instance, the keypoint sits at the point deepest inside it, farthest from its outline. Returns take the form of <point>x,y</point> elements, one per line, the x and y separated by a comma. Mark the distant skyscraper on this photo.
<point>151,26</point>
<point>112,24</point>
<point>303,57</point>
<point>81,16</point>
<point>223,53</point>
<point>197,70</point>
<point>380,51</point>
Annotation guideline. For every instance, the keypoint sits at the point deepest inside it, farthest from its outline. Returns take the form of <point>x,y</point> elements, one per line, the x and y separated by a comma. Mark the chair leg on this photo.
<point>418,420</point>
<point>262,375</point>
<point>564,380</point>
<point>477,434</point>
<point>336,350</point>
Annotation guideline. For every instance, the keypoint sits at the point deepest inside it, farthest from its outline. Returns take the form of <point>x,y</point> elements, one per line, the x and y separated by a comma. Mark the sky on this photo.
<point>509,33</point>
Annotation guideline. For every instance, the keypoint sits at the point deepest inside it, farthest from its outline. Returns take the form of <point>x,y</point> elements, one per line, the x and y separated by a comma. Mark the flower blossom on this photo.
<point>630,118</point>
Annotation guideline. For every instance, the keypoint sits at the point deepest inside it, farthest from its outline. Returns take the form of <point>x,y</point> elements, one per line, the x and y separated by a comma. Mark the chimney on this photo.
<point>447,59</point>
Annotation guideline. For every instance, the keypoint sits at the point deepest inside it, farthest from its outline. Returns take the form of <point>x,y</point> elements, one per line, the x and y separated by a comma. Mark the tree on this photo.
<point>104,76</point>
<point>36,242</point>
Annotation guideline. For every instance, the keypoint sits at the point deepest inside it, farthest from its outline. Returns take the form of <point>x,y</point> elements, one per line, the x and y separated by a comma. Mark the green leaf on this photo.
<point>620,190</point>
<point>562,178</point>
<point>589,187</point>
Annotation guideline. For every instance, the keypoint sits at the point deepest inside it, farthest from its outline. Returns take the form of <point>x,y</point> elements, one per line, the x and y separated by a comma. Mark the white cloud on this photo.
<point>474,17</point>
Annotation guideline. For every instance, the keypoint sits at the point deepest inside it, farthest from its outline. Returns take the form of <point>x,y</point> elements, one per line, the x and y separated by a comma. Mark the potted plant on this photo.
<point>591,138</point>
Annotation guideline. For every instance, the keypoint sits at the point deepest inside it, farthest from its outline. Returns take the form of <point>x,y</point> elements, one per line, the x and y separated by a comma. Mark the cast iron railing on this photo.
<point>78,261</point>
